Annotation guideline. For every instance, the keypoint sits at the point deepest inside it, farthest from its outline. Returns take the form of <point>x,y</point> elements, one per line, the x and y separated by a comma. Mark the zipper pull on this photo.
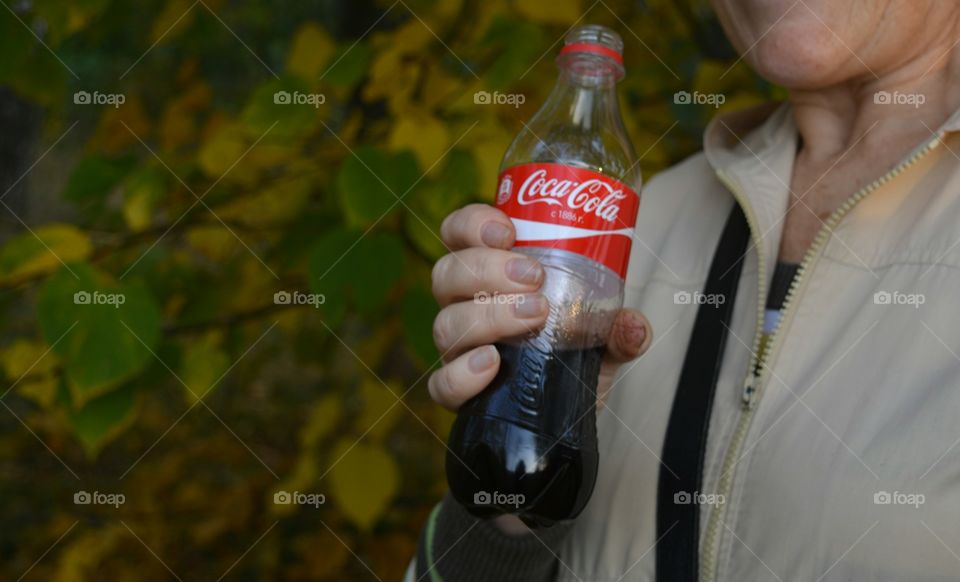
<point>749,390</point>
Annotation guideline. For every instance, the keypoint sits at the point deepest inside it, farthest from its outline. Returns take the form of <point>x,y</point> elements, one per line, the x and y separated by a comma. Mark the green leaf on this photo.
<point>94,177</point>
<point>103,418</point>
<point>429,204</point>
<point>370,183</point>
<point>346,264</point>
<point>521,43</point>
<point>275,102</point>
<point>42,250</point>
<point>103,331</point>
<point>348,65</point>
<point>417,314</point>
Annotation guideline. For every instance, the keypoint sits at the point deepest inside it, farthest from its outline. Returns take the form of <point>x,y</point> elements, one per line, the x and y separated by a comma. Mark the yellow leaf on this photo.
<point>215,242</point>
<point>177,125</point>
<point>255,285</point>
<point>554,12</point>
<point>222,153</point>
<point>142,191</point>
<point>278,203</point>
<point>23,356</point>
<point>85,551</point>
<point>31,366</point>
<point>363,482</point>
<point>488,145</point>
<point>204,363</point>
<point>175,17</point>
<point>42,251</point>
<point>422,133</point>
<point>312,47</point>
<point>321,420</point>
<point>303,479</point>
<point>440,88</point>
<point>381,411</point>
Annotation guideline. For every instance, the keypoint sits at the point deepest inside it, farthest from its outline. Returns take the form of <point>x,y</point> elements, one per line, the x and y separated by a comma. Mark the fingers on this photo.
<point>477,225</point>
<point>464,377</point>
<point>464,325</point>
<point>630,336</point>
<point>462,274</point>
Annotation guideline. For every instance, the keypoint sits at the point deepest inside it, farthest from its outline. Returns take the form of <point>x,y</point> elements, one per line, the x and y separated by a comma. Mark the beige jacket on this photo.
<point>846,465</point>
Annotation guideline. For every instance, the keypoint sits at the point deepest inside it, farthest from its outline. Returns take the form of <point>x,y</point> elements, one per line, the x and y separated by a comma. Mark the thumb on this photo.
<point>630,336</point>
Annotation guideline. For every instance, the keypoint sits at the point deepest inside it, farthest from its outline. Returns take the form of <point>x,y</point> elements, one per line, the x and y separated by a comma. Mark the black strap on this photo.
<point>681,471</point>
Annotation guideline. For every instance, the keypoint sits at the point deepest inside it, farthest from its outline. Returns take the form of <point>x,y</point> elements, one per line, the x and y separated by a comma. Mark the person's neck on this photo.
<point>896,108</point>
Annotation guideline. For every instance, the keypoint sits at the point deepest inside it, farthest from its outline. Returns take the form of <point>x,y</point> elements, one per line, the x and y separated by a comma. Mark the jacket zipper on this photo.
<point>757,376</point>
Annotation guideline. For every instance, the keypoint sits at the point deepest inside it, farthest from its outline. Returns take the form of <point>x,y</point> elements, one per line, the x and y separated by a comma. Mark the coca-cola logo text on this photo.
<point>592,196</point>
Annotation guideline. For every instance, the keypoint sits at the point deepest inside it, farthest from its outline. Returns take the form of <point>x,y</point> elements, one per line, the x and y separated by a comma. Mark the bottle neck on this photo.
<point>586,95</point>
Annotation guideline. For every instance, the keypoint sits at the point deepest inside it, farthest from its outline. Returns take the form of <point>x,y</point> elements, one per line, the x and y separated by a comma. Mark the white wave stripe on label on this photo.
<point>530,230</point>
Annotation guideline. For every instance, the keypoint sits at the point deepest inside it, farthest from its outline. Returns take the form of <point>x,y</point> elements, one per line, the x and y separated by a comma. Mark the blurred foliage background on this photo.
<point>199,198</point>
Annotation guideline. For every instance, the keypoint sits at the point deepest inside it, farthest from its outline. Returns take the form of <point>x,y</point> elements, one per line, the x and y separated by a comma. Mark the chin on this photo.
<point>801,55</point>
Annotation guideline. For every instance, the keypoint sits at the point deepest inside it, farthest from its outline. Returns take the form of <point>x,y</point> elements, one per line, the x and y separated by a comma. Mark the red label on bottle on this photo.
<point>573,209</point>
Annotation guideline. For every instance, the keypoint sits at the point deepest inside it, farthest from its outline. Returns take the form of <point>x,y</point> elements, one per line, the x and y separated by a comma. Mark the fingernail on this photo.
<point>495,234</point>
<point>525,271</point>
<point>533,305</point>
<point>633,333</point>
<point>482,358</point>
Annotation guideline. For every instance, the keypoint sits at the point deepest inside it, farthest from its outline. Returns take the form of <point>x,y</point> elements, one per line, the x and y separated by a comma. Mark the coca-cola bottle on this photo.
<point>527,444</point>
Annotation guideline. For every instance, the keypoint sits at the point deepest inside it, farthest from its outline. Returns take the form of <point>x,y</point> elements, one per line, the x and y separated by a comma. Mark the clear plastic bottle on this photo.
<point>527,444</point>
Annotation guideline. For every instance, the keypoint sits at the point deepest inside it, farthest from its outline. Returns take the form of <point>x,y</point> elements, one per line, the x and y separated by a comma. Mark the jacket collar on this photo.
<point>753,151</point>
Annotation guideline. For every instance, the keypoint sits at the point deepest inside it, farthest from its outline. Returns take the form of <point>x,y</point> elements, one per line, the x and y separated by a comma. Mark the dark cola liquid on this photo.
<point>527,444</point>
